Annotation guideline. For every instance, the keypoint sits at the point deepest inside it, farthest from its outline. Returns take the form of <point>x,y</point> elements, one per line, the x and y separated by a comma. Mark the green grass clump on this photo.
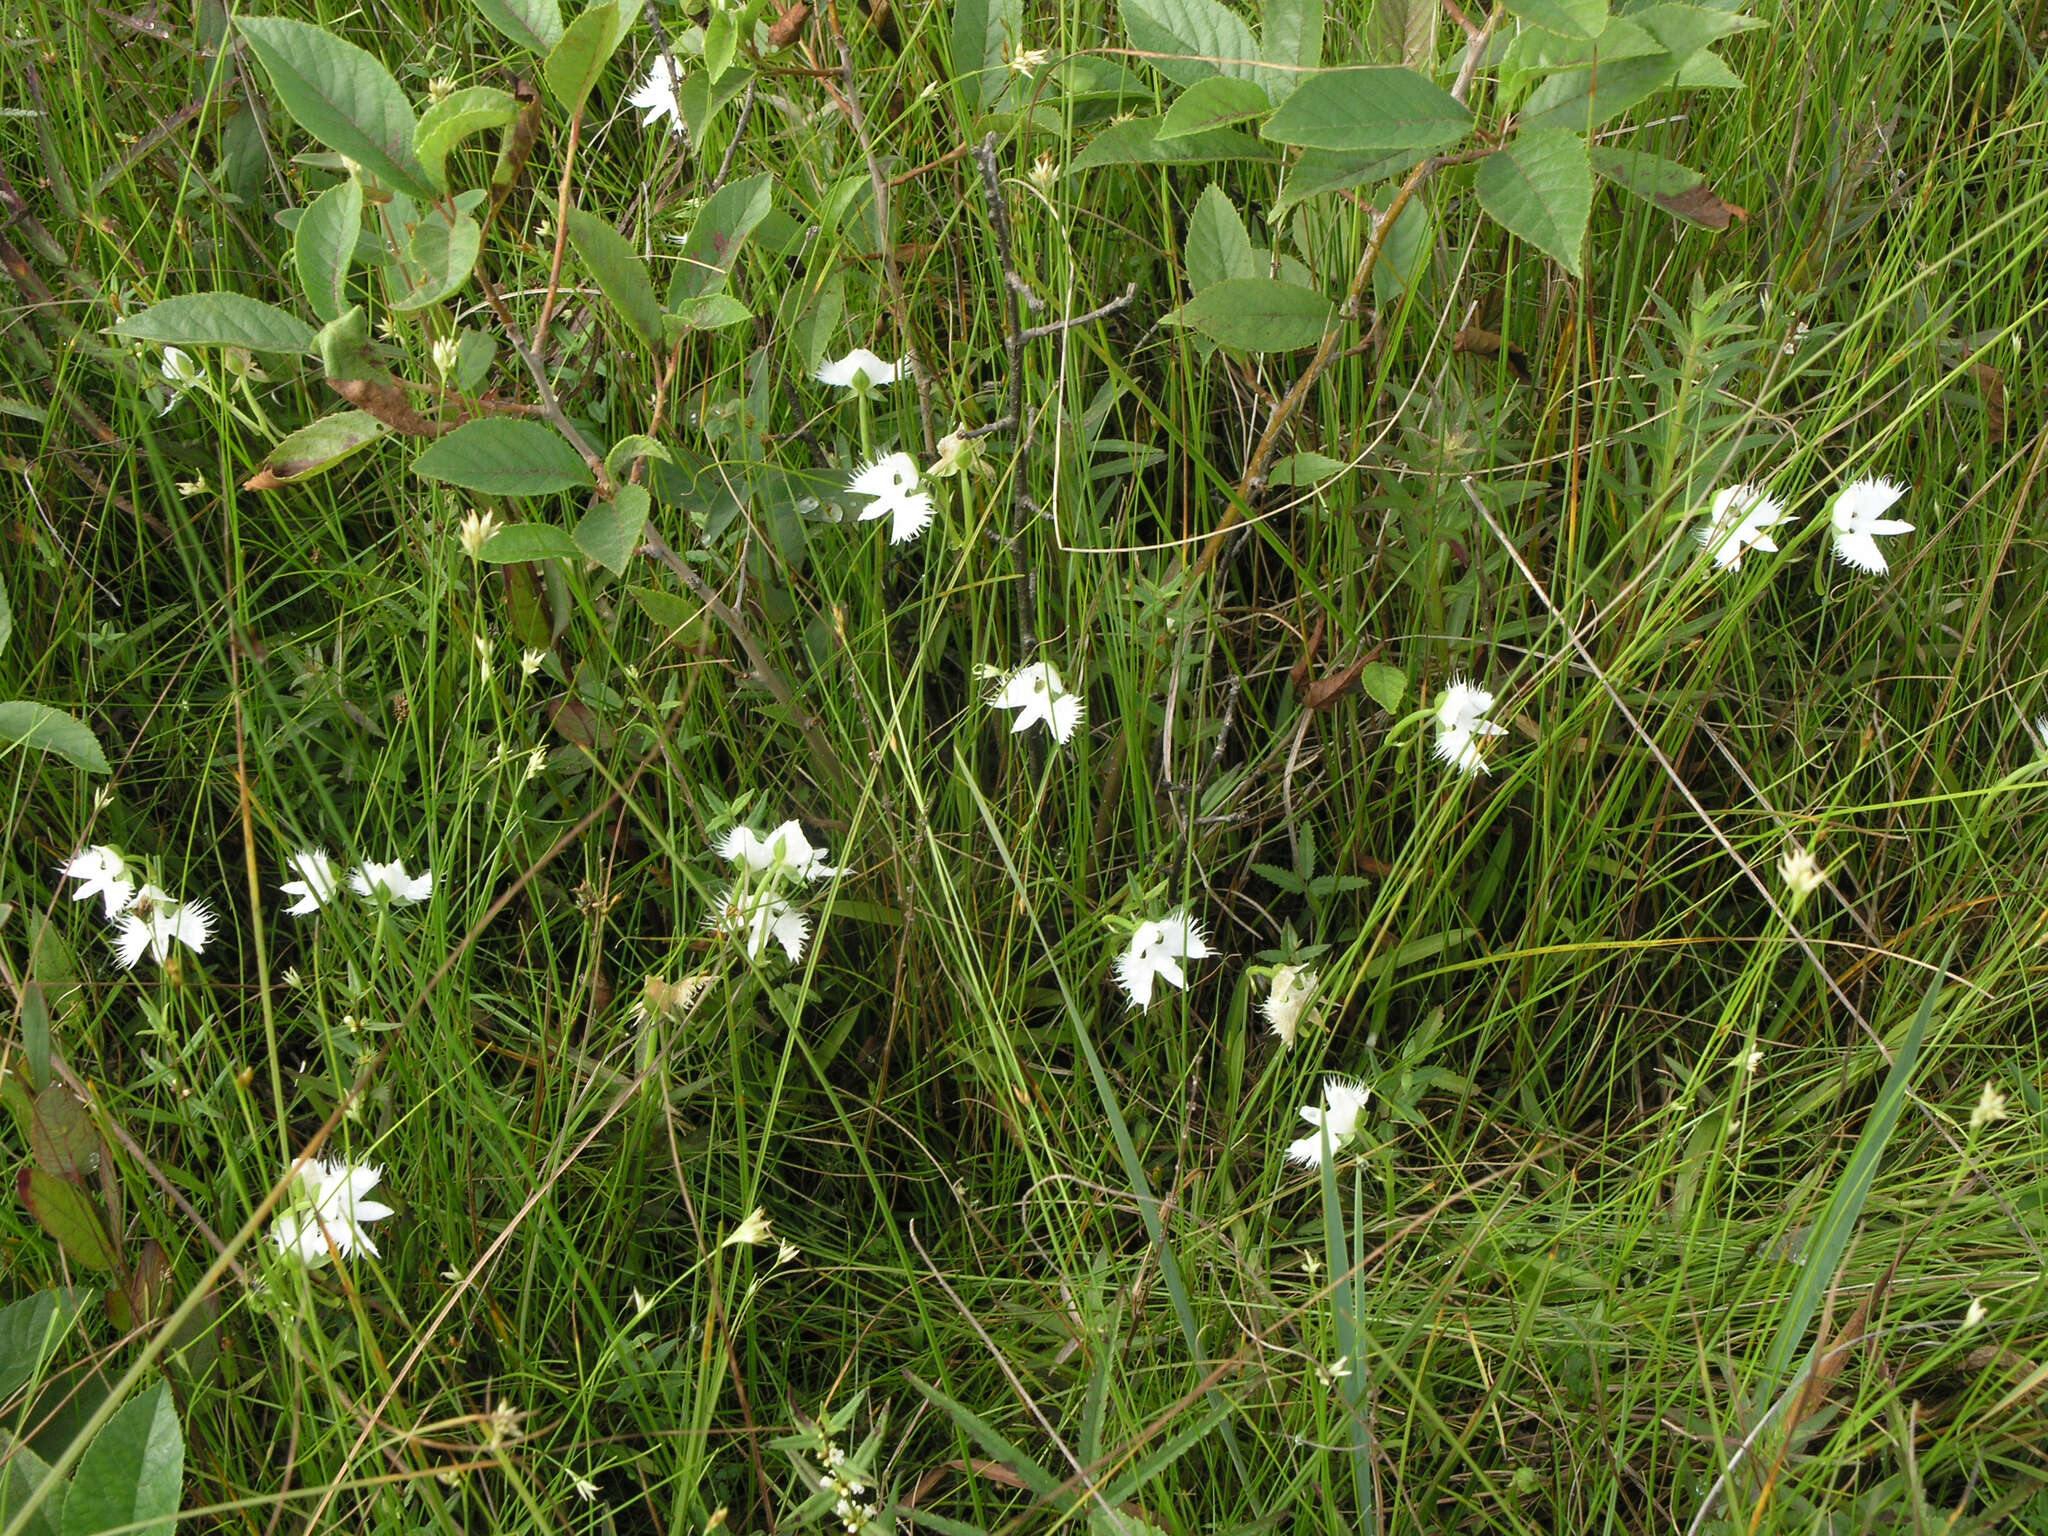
<point>1615,1246</point>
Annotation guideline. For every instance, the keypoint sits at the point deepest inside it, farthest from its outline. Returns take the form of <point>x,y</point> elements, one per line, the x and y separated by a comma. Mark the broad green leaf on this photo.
<point>1582,99</point>
<point>316,448</point>
<point>1567,18</point>
<point>1402,32</point>
<point>1323,170</point>
<point>1305,469</point>
<point>29,1331</point>
<point>324,245</point>
<point>535,25</point>
<point>132,1477</point>
<point>1386,686</point>
<point>1671,186</point>
<point>1685,30</point>
<point>984,35</point>
<point>1541,188</point>
<point>218,320</point>
<point>1218,248</point>
<point>619,272</point>
<point>439,259</point>
<point>505,456</point>
<point>712,312</point>
<point>445,124</point>
<point>729,215</point>
<point>1136,141</point>
<point>1405,253</point>
<point>1260,314</point>
<point>61,1137</point>
<point>69,1215</point>
<point>1291,33</point>
<point>474,351</point>
<point>25,723</point>
<point>1216,102</point>
<point>575,63</point>
<point>1378,109</point>
<point>622,454</point>
<point>342,96</point>
<point>529,541</point>
<point>1196,38</point>
<point>22,1472</point>
<point>609,532</point>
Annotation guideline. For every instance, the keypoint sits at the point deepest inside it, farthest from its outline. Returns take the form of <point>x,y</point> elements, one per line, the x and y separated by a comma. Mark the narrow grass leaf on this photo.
<point>1541,188</point>
<point>1377,109</point>
<point>1178,1444</point>
<point>619,272</point>
<point>1831,1234</point>
<point>324,247</point>
<point>996,1444</point>
<point>342,96</point>
<point>505,456</point>
<point>25,723</point>
<point>130,1477</point>
<point>218,320</point>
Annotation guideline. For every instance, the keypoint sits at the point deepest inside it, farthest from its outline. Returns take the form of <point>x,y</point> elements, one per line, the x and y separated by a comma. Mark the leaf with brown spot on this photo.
<point>316,447</point>
<point>1703,206</point>
<point>1991,382</point>
<point>577,722</point>
<point>389,404</point>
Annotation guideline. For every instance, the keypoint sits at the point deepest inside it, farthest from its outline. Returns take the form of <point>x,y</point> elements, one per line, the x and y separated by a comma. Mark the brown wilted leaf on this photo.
<point>388,403</point>
<point>577,722</point>
<point>1324,692</point>
<point>1299,673</point>
<point>1701,205</point>
<point>788,25</point>
<point>1478,342</point>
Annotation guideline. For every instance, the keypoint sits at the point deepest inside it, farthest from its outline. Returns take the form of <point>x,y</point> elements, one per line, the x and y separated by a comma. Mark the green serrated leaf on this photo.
<point>619,272</point>
<point>535,25</point>
<point>1217,102</point>
<point>25,723</point>
<point>1402,32</point>
<point>342,96</point>
<point>22,1472</point>
<point>1136,141</point>
<point>1260,314</point>
<point>1305,469</point>
<point>728,217</point>
<point>712,312</point>
<point>609,532</point>
<point>445,124</point>
<point>1192,39</point>
<point>1583,98</point>
<point>316,448</point>
<point>505,456</point>
<point>1567,18</point>
<point>324,245</point>
<point>218,320</point>
<point>132,1477</point>
<point>1685,30</point>
<point>528,541</point>
<point>575,63</point>
<point>1376,109</point>
<point>1675,188</point>
<point>1541,188</point>
<point>70,1215</point>
<point>1218,247</point>
<point>1290,33</point>
<point>983,35</point>
<point>439,258</point>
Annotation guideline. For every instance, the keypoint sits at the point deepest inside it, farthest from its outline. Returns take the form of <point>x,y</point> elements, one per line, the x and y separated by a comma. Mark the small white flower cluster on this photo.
<point>382,885</point>
<point>325,1211</point>
<point>146,917</point>
<point>853,1502</point>
<point>1740,518</point>
<point>754,908</point>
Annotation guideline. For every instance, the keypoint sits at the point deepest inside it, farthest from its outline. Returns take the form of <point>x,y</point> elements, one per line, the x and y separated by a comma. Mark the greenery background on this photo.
<point>1582,1216</point>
